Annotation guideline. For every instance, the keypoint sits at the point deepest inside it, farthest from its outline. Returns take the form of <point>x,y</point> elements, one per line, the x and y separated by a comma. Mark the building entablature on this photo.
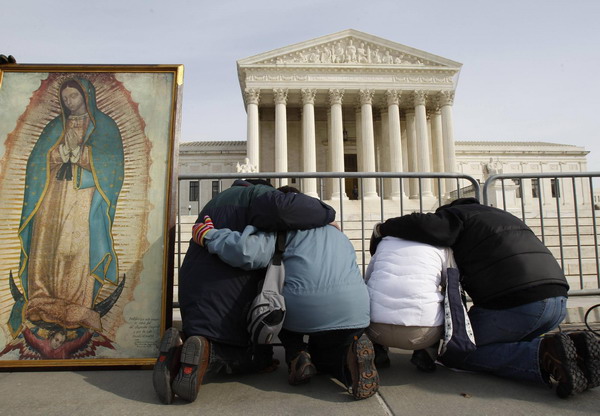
<point>344,61</point>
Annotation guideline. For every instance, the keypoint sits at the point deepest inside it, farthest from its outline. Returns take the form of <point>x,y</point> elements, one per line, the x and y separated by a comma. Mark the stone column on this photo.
<point>309,185</point>
<point>395,139</point>
<point>281,165</point>
<point>422,141</point>
<point>446,101</point>
<point>412,152</point>
<point>437,146</point>
<point>429,139</point>
<point>359,155</point>
<point>382,149</point>
<point>360,167</point>
<point>336,142</point>
<point>329,165</point>
<point>252,131</point>
<point>404,139</point>
<point>368,141</point>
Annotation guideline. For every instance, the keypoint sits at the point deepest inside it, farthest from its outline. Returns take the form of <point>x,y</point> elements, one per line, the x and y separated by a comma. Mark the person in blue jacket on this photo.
<point>214,296</point>
<point>325,296</point>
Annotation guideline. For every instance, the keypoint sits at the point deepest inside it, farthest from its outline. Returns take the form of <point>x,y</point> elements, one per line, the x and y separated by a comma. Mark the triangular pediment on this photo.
<point>349,48</point>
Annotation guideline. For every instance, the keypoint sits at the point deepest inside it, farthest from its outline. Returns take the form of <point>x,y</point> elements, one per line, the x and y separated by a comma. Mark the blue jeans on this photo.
<point>508,340</point>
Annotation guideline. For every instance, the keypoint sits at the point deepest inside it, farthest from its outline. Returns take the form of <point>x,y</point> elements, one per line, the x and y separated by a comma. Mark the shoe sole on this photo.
<point>303,376</point>
<point>161,375</point>
<point>367,381</point>
<point>422,364</point>
<point>588,347</point>
<point>569,360</point>
<point>194,361</point>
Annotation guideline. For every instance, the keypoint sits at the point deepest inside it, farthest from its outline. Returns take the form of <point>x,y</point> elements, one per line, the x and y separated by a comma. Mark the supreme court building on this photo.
<point>353,102</point>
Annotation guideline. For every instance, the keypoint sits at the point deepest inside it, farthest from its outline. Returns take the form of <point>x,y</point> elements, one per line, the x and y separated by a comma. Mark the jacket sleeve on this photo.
<point>439,229</point>
<point>248,250</point>
<point>278,211</point>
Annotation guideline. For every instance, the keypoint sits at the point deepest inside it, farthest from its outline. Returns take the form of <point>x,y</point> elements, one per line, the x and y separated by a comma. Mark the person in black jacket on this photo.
<point>214,297</point>
<point>519,293</point>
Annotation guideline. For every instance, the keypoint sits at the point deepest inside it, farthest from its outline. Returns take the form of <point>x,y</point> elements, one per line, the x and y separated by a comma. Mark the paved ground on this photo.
<point>404,391</point>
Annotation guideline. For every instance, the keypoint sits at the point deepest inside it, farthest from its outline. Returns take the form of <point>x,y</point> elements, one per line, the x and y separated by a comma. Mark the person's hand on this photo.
<point>376,232</point>
<point>200,229</point>
<point>375,239</point>
<point>7,59</point>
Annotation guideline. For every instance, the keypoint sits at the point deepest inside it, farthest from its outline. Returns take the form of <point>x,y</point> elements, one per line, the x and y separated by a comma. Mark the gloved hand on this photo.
<point>7,59</point>
<point>375,239</point>
<point>200,229</point>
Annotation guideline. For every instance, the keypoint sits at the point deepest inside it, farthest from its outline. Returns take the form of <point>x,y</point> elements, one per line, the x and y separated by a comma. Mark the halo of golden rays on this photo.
<point>133,207</point>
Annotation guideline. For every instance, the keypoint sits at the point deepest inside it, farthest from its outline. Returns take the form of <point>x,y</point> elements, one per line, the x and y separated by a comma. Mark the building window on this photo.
<point>555,185</point>
<point>518,190</point>
<point>535,188</point>
<point>215,188</point>
<point>194,188</point>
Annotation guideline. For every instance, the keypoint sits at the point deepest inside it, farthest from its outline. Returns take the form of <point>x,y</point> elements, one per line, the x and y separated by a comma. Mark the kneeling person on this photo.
<point>325,296</point>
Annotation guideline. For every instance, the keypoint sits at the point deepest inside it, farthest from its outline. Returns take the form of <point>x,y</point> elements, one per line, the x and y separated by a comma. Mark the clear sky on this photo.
<point>530,67</point>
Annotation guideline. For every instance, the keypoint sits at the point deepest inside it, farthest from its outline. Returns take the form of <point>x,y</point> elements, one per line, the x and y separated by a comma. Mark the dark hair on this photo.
<point>289,189</point>
<point>459,201</point>
<point>54,332</point>
<point>257,181</point>
<point>72,84</point>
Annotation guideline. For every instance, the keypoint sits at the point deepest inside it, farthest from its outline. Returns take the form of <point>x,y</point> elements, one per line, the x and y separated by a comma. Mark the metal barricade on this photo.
<point>560,208</point>
<point>357,216</point>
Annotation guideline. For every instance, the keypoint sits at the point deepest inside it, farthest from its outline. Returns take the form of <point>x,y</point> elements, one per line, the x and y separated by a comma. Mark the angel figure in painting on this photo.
<point>73,180</point>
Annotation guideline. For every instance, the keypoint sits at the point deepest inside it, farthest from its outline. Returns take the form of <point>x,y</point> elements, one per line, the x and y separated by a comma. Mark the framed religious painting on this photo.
<point>88,158</point>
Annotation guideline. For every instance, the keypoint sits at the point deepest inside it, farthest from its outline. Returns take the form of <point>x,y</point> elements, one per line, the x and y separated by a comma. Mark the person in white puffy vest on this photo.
<point>407,302</point>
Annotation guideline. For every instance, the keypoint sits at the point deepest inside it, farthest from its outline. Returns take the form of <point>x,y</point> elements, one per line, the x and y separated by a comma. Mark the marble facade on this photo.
<point>353,102</point>
<point>349,102</point>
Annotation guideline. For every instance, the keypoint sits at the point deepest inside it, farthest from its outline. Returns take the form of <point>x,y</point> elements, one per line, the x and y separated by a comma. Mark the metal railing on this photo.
<point>377,209</point>
<point>562,214</point>
<point>560,208</point>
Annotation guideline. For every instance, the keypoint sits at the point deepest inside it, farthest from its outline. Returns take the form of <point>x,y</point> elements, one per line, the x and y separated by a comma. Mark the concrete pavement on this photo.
<point>404,391</point>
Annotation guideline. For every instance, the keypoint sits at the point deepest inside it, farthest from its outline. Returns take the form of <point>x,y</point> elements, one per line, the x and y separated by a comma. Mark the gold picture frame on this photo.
<point>88,167</point>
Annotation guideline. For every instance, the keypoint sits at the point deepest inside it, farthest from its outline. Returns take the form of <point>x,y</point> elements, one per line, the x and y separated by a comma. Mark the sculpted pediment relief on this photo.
<point>349,51</point>
<point>349,47</point>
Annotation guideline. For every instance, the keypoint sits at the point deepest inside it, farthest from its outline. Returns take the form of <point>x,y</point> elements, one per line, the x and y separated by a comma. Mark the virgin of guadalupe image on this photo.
<point>73,179</point>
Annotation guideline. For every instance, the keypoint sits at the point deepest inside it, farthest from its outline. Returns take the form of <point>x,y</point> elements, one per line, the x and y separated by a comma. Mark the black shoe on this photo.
<point>423,361</point>
<point>382,358</point>
<point>361,364</point>
<point>558,359</point>
<point>301,369</point>
<point>194,363</point>
<point>588,356</point>
<point>167,365</point>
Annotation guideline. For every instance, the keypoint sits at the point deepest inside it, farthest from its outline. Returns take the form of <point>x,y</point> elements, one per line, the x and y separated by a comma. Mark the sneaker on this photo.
<point>423,361</point>
<point>558,359</point>
<point>588,356</point>
<point>361,364</point>
<point>167,365</point>
<point>301,369</point>
<point>194,363</point>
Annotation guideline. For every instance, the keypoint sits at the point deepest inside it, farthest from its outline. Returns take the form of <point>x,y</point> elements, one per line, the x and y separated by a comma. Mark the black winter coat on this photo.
<point>502,262</point>
<point>214,297</point>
